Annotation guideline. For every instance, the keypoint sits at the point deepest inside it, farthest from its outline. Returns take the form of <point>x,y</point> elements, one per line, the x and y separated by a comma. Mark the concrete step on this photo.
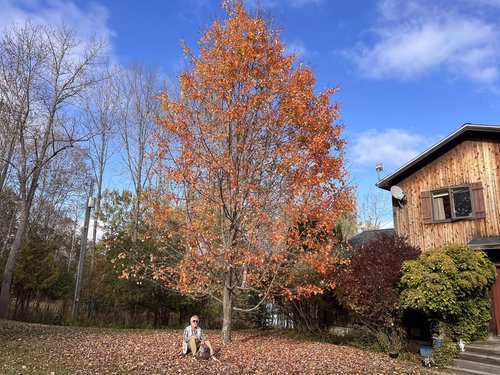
<point>483,349</point>
<point>481,357</point>
<point>461,371</point>
<point>466,365</point>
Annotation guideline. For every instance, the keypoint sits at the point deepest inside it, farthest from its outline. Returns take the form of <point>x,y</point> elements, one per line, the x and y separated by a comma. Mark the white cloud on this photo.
<point>301,52</point>
<point>86,22</point>
<point>414,38</point>
<point>277,3</point>
<point>393,147</point>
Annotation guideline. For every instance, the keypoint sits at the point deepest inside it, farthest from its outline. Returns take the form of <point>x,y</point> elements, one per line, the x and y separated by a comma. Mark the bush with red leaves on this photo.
<point>369,284</point>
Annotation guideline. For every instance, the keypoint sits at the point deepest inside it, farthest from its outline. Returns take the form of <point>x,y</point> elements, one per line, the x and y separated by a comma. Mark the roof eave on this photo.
<point>386,182</point>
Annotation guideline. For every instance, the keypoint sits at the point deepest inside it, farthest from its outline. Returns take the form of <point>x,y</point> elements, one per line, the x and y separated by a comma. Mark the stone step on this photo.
<point>466,365</point>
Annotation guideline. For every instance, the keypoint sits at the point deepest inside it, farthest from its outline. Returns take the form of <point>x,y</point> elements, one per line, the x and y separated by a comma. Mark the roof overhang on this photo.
<point>485,243</point>
<point>464,132</point>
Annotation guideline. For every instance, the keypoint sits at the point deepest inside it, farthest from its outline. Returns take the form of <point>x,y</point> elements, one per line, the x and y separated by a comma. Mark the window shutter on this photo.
<point>478,199</point>
<point>425,201</point>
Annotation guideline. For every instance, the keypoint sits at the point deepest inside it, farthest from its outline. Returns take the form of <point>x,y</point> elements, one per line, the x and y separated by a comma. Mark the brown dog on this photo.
<point>203,352</point>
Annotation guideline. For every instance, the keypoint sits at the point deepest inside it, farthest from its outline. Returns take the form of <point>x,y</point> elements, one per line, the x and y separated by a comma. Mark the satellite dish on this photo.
<point>397,193</point>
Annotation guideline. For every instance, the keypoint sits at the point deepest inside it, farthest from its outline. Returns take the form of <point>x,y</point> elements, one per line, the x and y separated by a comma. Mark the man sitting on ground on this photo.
<point>193,338</point>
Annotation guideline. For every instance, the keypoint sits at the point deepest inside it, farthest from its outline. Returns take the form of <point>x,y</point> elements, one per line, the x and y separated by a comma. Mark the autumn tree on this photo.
<point>134,296</point>
<point>250,151</point>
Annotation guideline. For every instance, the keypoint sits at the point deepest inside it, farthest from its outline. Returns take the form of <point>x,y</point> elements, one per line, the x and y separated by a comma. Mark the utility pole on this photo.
<point>83,250</point>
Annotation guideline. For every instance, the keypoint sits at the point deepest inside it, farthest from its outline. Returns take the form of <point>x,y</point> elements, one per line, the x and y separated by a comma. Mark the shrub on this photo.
<point>450,285</point>
<point>369,284</point>
<point>445,355</point>
<point>389,339</point>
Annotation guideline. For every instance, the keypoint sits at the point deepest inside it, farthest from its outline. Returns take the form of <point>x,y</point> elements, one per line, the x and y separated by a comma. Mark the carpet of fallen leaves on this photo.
<point>40,349</point>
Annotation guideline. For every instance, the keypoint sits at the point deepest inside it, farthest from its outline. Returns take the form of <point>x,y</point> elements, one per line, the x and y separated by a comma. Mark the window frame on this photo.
<point>452,204</point>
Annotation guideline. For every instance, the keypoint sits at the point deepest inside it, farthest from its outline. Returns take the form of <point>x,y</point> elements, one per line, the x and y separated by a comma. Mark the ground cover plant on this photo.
<point>39,349</point>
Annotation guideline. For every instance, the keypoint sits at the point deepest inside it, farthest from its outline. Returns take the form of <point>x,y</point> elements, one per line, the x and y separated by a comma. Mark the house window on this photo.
<point>452,203</point>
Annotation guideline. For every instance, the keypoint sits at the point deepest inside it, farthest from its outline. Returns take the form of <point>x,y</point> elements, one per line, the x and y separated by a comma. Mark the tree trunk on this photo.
<point>27,302</point>
<point>227,308</point>
<point>11,261</point>
<point>5,167</point>
<point>18,241</point>
<point>18,303</point>
<point>10,229</point>
<point>37,302</point>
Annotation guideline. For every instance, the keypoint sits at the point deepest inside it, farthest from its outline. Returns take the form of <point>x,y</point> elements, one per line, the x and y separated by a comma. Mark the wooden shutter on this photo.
<point>425,202</point>
<point>478,199</point>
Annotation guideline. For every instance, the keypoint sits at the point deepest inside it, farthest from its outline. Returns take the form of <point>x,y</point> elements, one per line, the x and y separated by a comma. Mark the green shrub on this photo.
<point>473,324</point>
<point>445,355</point>
<point>450,285</point>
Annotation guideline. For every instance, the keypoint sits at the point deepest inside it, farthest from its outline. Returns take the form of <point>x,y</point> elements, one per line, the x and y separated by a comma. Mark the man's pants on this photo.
<point>193,346</point>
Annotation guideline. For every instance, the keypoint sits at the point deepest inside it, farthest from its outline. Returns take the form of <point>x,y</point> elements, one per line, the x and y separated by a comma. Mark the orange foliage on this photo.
<point>249,151</point>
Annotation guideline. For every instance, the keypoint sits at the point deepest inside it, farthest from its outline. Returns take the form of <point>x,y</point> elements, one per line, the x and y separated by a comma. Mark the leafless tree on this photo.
<point>374,209</point>
<point>7,141</point>
<point>138,87</point>
<point>100,118</point>
<point>44,70</point>
<point>62,184</point>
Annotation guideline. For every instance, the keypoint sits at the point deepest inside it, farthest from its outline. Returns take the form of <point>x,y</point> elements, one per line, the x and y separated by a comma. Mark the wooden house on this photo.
<point>452,195</point>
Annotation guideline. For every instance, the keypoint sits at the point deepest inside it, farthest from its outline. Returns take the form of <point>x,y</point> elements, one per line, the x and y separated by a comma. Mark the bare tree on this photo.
<point>61,185</point>
<point>45,69</point>
<point>374,210</point>
<point>138,87</point>
<point>7,141</point>
<point>100,119</point>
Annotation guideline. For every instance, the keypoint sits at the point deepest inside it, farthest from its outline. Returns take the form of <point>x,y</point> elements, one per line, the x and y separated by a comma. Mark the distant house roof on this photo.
<point>484,243</point>
<point>466,131</point>
<point>369,236</point>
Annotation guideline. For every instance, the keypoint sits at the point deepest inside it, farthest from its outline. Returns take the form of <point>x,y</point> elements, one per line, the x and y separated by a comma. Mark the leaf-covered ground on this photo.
<point>39,349</point>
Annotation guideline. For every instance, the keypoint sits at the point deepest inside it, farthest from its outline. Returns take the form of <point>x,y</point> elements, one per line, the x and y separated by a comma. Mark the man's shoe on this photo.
<point>213,358</point>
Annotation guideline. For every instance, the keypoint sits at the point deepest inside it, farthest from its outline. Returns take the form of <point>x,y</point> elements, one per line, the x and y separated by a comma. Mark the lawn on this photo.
<point>40,349</point>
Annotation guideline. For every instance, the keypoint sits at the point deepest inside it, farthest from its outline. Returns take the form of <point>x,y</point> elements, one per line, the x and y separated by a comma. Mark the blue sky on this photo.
<point>409,72</point>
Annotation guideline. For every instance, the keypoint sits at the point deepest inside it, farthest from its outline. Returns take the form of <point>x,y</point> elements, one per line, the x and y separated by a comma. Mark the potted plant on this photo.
<point>439,334</point>
<point>396,338</point>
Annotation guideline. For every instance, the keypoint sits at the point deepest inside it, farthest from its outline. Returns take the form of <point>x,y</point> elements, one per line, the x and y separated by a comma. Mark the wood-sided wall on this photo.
<point>473,160</point>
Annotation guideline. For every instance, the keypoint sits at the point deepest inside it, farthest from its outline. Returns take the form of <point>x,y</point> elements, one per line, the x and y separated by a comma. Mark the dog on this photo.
<point>203,352</point>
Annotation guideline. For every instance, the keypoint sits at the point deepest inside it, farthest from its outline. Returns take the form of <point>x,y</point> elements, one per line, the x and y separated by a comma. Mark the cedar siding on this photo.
<point>474,160</point>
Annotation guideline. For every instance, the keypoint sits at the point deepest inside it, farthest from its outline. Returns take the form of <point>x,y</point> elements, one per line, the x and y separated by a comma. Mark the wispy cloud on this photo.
<point>299,48</point>
<point>277,3</point>
<point>414,38</point>
<point>85,21</point>
<point>393,147</point>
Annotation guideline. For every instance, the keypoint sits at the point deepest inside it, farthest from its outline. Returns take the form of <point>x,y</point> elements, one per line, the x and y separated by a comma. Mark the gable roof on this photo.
<point>369,236</point>
<point>464,132</point>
